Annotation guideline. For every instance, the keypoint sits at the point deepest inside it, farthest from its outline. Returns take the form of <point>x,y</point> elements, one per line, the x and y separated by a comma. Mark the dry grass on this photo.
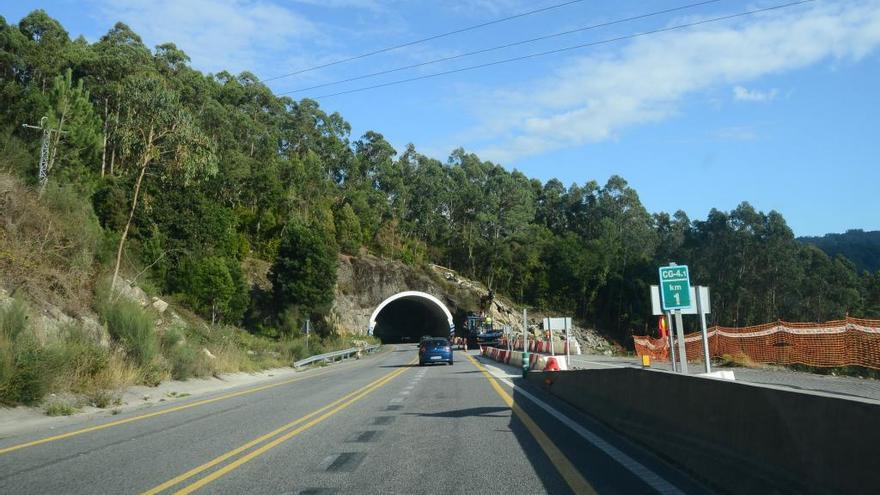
<point>741,360</point>
<point>71,363</point>
<point>48,245</point>
<point>105,389</point>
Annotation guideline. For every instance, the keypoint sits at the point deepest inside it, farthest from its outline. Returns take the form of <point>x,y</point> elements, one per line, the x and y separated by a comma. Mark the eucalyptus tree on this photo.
<point>156,133</point>
<point>119,54</point>
<point>46,56</point>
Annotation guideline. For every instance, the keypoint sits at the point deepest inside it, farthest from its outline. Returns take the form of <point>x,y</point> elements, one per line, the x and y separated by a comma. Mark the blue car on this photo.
<point>436,350</point>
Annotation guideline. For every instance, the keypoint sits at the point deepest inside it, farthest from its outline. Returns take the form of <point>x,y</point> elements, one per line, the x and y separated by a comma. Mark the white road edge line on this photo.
<point>651,478</point>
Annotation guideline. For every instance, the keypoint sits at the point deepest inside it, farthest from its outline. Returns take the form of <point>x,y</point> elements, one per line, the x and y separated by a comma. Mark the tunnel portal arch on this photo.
<point>410,314</point>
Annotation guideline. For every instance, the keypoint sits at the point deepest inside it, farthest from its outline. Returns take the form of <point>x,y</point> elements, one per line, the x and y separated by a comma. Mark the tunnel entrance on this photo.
<point>406,316</point>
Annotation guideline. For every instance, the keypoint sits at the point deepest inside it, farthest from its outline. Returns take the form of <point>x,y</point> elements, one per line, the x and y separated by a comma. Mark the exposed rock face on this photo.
<point>363,282</point>
<point>130,291</point>
<point>159,305</point>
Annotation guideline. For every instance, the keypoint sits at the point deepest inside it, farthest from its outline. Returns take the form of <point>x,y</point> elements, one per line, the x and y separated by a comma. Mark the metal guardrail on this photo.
<point>335,355</point>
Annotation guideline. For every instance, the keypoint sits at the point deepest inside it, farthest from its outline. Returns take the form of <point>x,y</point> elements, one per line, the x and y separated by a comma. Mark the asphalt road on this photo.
<point>378,425</point>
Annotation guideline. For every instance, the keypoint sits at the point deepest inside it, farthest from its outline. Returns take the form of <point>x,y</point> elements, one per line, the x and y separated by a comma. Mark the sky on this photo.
<point>779,108</point>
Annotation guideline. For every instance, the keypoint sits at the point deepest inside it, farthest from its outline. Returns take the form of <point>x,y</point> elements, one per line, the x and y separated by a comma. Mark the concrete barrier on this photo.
<point>739,438</point>
<point>543,346</point>
<point>537,362</point>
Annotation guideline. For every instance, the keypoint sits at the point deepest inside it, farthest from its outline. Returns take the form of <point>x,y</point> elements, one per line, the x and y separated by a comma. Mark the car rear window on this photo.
<point>438,343</point>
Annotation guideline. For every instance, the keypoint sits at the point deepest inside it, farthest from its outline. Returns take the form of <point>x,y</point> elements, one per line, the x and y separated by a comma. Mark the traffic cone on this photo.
<point>551,364</point>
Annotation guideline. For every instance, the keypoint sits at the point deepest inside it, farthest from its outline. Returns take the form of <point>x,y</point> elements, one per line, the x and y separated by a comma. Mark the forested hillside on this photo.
<point>191,174</point>
<point>862,248</point>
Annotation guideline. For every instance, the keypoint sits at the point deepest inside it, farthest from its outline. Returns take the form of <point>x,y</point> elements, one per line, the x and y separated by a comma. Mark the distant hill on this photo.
<point>863,248</point>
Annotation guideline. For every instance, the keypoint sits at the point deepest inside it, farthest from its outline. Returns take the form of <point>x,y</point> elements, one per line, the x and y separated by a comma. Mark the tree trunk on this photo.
<point>54,150</point>
<point>104,144</point>
<point>115,128</point>
<point>134,201</point>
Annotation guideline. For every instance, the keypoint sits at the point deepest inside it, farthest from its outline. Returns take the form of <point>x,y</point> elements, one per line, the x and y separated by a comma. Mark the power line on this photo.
<point>569,48</point>
<point>422,40</point>
<point>500,47</point>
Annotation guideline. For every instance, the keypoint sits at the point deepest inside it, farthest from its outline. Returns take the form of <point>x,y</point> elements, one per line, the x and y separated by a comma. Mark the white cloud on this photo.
<point>596,96</point>
<point>218,35</point>
<point>736,133</point>
<point>742,94</point>
<point>493,7</point>
<point>346,4</point>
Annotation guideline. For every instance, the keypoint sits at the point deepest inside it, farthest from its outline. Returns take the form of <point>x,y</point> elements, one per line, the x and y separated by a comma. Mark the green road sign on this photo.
<point>675,287</point>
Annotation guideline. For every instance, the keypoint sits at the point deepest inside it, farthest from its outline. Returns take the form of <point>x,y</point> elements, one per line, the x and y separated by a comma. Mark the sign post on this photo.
<point>525,354</point>
<point>675,294</point>
<point>567,344</point>
<point>698,299</point>
<point>703,308</point>
<point>682,348</point>
<point>562,325</point>
<point>672,357</point>
<point>308,331</point>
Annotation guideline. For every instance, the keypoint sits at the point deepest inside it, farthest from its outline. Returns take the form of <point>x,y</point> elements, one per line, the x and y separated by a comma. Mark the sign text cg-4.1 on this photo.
<point>675,287</point>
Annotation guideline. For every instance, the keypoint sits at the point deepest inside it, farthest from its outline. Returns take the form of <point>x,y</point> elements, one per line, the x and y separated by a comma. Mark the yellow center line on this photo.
<point>569,473</point>
<point>345,401</point>
<point>111,424</point>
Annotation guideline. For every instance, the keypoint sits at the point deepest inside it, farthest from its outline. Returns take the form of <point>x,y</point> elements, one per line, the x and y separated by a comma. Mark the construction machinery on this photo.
<point>481,331</point>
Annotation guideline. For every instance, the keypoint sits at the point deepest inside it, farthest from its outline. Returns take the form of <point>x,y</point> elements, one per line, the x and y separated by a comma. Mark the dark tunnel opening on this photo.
<point>408,319</point>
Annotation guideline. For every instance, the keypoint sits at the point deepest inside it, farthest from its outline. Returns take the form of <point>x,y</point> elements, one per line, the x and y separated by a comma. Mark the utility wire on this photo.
<point>422,40</point>
<point>569,48</point>
<point>501,47</point>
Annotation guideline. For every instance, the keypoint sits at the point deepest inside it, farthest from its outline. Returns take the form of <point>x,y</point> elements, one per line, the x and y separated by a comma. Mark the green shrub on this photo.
<point>30,374</point>
<point>154,373</point>
<point>185,363</point>
<point>102,398</point>
<point>25,368</point>
<point>79,364</point>
<point>293,349</point>
<point>172,337</point>
<point>60,408</point>
<point>79,355</point>
<point>13,319</point>
<point>129,325</point>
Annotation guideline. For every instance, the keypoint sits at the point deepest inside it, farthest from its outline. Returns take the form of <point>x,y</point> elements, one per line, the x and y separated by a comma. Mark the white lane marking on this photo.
<point>396,400</point>
<point>643,473</point>
<point>404,392</point>
<point>330,459</point>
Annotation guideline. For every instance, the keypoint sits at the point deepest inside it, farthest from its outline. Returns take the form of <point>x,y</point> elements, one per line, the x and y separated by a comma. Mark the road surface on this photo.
<point>378,425</point>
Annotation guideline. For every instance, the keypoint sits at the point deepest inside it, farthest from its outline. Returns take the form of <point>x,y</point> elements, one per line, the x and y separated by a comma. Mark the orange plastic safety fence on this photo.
<point>849,342</point>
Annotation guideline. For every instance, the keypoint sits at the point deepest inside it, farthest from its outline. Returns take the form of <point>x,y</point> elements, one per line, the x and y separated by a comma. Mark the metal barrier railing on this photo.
<point>335,355</point>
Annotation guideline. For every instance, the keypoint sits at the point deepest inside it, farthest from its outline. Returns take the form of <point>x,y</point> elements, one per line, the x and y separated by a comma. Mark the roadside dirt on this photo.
<point>20,420</point>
